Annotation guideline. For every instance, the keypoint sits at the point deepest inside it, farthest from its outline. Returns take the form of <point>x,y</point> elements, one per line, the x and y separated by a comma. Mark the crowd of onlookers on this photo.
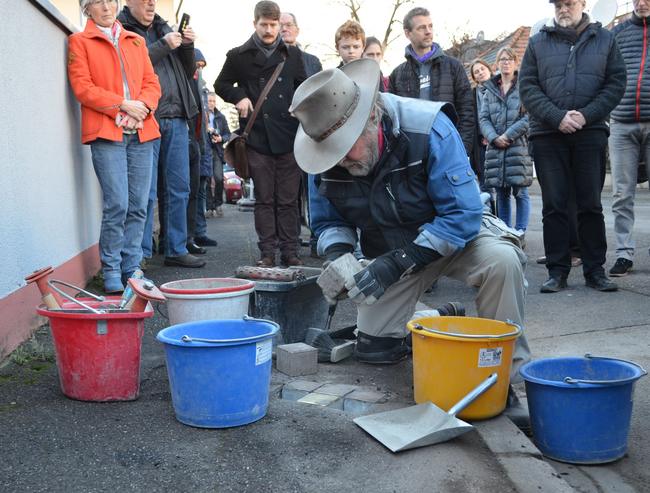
<point>157,137</point>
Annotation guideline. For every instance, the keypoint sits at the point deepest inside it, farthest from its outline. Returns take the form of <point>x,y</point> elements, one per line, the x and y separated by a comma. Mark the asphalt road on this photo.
<point>51,443</point>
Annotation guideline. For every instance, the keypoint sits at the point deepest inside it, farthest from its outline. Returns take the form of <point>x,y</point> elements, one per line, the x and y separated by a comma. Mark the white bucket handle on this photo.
<point>246,318</point>
<point>517,331</point>
<point>607,382</point>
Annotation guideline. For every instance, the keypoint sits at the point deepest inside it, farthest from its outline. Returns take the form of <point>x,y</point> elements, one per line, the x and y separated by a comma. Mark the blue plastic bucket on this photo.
<point>219,370</point>
<point>580,408</point>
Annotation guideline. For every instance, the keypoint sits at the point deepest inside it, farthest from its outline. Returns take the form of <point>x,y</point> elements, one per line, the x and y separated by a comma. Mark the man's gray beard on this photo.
<point>567,23</point>
<point>364,167</point>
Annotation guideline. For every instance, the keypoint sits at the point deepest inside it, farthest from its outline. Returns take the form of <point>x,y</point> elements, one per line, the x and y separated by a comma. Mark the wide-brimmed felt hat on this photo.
<point>333,107</point>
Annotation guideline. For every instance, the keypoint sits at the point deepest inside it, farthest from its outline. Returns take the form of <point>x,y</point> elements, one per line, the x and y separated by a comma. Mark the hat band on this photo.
<point>346,116</point>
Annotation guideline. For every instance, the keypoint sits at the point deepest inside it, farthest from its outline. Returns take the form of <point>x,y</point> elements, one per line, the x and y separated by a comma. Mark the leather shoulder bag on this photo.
<point>235,151</point>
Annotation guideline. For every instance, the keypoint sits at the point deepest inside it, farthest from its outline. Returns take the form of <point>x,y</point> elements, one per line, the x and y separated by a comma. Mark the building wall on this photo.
<point>50,211</point>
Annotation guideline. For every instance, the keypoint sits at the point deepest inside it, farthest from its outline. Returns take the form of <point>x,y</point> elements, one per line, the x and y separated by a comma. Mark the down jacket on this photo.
<point>558,75</point>
<point>449,84</point>
<point>501,115</point>
<point>632,37</point>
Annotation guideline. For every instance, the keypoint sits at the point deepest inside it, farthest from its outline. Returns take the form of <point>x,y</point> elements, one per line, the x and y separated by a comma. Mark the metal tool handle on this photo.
<point>51,283</point>
<point>605,382</point>
<point>246,318</point>
<point>471,336</point>
<point>471,397</point>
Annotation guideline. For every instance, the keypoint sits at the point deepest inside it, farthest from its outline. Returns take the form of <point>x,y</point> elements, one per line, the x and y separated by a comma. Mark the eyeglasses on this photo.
<point>506,60</point>
<point>568,5</point>
<point>94,3</point>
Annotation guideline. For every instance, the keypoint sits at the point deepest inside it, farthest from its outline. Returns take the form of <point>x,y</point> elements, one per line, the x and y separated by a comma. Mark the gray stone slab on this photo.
<point>297,359</point>
<point>366,395</point>
<point>322,400</point>
<point>306,385</point>
<point>337,389</point>
<point>520,458</point>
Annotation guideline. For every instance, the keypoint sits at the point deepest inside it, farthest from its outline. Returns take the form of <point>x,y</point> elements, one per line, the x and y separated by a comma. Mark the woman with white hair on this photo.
<point>113,79</point>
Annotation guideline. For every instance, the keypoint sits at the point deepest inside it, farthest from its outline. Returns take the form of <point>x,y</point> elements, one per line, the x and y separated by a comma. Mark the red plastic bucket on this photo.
<point>97,355</point>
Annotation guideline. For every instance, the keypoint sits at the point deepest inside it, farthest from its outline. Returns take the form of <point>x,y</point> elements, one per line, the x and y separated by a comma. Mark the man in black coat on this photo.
<point>270,143</point>
<point>172,57</point>
<point>571,77</point>
<point>429,74</point>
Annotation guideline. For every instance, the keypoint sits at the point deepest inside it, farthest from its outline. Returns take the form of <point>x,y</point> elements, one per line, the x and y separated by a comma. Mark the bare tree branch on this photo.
<point>353,6</point>
<point>397,4</point>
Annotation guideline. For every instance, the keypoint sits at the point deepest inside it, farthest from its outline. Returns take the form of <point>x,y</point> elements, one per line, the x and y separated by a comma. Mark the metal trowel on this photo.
<point>424,424</point>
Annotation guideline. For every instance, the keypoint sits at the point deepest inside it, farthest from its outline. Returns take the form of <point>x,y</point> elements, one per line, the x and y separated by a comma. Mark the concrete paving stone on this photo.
<point>297,359</point>
<point>532,475</point>
<point>337,389</point>
<point>322,400</point>
<point>332,280</point>
<point>520,458</point>
<point>289,394</point>
<point>359,408</point>
<point>504,437</point>
<point>366,395</point>
<point>297,389</point>
<point>306,385</point>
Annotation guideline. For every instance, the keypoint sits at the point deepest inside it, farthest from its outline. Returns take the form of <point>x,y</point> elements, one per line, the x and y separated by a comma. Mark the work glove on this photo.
<point>335,251</point>
<point>368,285</point>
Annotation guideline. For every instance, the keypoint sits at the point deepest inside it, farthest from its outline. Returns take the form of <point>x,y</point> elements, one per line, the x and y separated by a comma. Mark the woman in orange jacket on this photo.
<point>113,79</point>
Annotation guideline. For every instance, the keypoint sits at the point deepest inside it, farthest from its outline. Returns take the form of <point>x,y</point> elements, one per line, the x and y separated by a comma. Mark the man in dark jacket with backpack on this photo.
<point>429,74</point>
<point>571,77</point>
<point>270,143</point>
<point>629,142</point>
<point>172,56</point>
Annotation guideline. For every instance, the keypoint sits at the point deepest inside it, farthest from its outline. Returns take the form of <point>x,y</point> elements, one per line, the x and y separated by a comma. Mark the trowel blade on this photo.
<point>412,427</point>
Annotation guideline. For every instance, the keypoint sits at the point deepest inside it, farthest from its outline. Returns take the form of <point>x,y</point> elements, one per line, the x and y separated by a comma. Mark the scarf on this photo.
<point>573,33</point>
<point>268,50</point>
<point>426,56</point>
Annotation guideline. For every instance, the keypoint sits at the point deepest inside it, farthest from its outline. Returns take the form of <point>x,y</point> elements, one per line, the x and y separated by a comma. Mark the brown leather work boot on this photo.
<point>266,261</point>
<point>291,260</point>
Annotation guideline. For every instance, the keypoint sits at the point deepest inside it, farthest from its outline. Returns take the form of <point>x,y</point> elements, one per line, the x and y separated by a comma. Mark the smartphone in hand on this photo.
<point>185,21</point>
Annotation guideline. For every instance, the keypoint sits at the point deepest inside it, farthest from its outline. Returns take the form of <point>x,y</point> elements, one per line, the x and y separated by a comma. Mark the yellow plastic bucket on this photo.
<point>452,355</point>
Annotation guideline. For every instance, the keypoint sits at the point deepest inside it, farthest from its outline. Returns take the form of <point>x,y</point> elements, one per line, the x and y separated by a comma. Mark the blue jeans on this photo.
<point>522,201</point>
<point>171,158</point>
<point>628,145</point>
<point>124,173</point>
<point>201,229</point>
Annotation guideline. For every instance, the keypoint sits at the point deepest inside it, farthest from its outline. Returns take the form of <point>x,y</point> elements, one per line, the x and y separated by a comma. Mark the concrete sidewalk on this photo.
<point>51,443</point>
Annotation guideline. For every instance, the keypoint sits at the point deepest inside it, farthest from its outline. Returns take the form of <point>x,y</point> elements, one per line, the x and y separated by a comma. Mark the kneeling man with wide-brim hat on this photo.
<point>392,174</point>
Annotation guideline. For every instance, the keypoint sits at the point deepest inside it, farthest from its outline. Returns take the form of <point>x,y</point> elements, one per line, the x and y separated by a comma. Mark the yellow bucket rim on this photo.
<point>416,327</point>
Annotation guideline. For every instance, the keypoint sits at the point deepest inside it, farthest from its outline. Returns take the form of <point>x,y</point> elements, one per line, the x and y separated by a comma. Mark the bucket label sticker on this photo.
<point>490,357</point>
<point>263,352</point>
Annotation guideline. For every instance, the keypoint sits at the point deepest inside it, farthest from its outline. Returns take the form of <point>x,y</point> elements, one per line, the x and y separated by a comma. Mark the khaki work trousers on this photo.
<point>493,265</point>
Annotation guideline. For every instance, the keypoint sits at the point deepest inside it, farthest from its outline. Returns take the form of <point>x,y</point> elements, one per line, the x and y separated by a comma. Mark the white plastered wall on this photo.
<point>50,205</point>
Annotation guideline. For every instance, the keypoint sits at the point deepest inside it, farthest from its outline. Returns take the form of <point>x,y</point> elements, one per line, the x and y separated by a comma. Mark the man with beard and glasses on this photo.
<point>395,169</point>
<point>571,77</point>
